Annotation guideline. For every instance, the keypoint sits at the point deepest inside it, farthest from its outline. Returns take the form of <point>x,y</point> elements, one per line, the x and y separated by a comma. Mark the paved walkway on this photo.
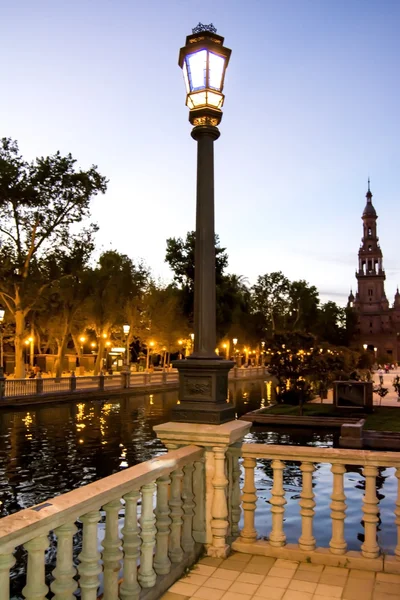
<point>245,577</point>
<point>389,400</point>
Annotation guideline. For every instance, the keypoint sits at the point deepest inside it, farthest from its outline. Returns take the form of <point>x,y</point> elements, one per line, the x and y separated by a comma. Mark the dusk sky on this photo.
<point>311,110</point>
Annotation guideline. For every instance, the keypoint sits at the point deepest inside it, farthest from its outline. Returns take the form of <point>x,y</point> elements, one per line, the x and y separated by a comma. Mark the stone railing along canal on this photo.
<point>155,546</point>
<point>201,495</point>
<point>15,388</point>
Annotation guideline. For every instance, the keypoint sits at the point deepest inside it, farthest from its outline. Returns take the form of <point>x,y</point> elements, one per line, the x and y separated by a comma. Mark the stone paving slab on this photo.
<point>247,577</point>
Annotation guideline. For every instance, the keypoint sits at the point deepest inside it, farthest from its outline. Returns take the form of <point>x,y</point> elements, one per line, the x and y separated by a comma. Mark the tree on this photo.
<point>303,306</point>
<point>163,311</point>
<point>180,258</point>
<point>291,363</point>
<point>331,324</point>
<point>72,284</point>
<point>270,299</point>
<point>40,202</point>
<point>117,282</point>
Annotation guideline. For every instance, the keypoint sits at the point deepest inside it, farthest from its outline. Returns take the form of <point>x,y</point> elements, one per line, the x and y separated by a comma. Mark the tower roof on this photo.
<point>369,210</point>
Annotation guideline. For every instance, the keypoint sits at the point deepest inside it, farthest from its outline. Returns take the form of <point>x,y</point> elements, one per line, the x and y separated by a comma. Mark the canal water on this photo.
<point>49,450</point>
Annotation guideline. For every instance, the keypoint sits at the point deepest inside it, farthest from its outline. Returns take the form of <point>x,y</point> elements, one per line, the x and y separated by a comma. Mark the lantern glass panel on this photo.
<point>2,313</point>
<point>216,71</point>
<point>196,66</point>
<point>199,99</point>
<point>214,99</point>
<point>186,78</point>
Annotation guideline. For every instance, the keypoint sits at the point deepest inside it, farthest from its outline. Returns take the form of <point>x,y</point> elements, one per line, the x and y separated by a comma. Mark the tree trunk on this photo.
<point>19,344</point>
<point>77,345</point>
<point>100,354</point>
<point>62,348</point>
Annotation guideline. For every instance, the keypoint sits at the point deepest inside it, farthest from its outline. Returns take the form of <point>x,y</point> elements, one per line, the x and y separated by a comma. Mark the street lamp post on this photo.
<point>204,375</point>
<point>126,329</point>
<point>149,347</point>
<point>2,314</point>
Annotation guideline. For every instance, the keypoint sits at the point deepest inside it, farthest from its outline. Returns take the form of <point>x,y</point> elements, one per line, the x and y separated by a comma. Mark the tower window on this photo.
<point>369,231</point>
<point>370,324</point>
<point>370,292</point>
<point>369,248</point>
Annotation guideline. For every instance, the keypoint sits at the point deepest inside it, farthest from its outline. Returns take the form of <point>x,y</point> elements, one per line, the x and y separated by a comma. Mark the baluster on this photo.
<point>6,562</point>
<point>162,564</point>
<point>249,501</point>
<point>147,576</point>
<point>89,567</point>
<point>397,513</point>
<point>130,589</point>
<point>307,540</point>
<point>112,553</point>
<point>35,588</point>
<point>235,498</point>
<point>338,507</point>
<point>175,503</point>
<point>64,583</point>
<point>370,548</point>
<point>188,508</point>
<point>199,521</point>
<point>277,537</point>
<point>219,509</point>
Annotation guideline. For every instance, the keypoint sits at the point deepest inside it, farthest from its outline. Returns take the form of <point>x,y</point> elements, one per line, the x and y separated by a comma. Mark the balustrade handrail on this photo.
<point>16,529</point>
<point>322,455</point>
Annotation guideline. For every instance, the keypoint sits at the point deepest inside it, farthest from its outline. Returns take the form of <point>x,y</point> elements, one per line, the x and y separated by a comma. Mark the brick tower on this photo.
<point>377,323</point>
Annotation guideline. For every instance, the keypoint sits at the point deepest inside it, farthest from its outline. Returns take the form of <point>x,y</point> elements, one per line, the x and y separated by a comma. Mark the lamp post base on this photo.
<point>203,391</point>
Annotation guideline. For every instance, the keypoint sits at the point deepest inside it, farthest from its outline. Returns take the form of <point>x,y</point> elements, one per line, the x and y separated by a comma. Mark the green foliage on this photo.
<point>41,203</point>
<point>303,367</point>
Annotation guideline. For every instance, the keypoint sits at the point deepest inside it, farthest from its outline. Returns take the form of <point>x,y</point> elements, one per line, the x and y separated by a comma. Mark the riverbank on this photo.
<point>25,392</point>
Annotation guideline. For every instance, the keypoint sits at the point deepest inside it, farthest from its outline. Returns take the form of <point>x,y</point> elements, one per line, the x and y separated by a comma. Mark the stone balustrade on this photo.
<point>370,557</point>
<point>52,386</point>
<point>153,549</point>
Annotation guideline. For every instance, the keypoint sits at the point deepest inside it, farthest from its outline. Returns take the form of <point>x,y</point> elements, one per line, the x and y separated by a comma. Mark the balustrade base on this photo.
<point>319,556</point>
<point>164,582</point>
<point>222,552</point>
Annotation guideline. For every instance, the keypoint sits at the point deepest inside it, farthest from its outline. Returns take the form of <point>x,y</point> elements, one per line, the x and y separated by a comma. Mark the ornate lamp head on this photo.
<point>204,60</point>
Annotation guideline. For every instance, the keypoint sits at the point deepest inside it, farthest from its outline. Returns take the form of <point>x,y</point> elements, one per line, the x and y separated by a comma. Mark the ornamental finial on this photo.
<point>200,27</point>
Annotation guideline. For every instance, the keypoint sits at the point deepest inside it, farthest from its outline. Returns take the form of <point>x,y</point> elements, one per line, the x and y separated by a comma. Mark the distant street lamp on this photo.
<point>365,346</point>
<point>262,354</point>
<point>82,340</point>
<point>375,351</point>
<point>127,329</point>
<point>204,60</point>
<point>2,314</point>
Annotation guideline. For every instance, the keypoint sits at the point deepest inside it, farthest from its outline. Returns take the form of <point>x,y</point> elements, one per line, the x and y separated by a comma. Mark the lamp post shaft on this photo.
<point>1,347</point>
<point>204,283</point>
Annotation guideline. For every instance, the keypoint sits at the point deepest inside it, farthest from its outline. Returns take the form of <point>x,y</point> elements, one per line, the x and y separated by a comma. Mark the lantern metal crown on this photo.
<point>204,60</point>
